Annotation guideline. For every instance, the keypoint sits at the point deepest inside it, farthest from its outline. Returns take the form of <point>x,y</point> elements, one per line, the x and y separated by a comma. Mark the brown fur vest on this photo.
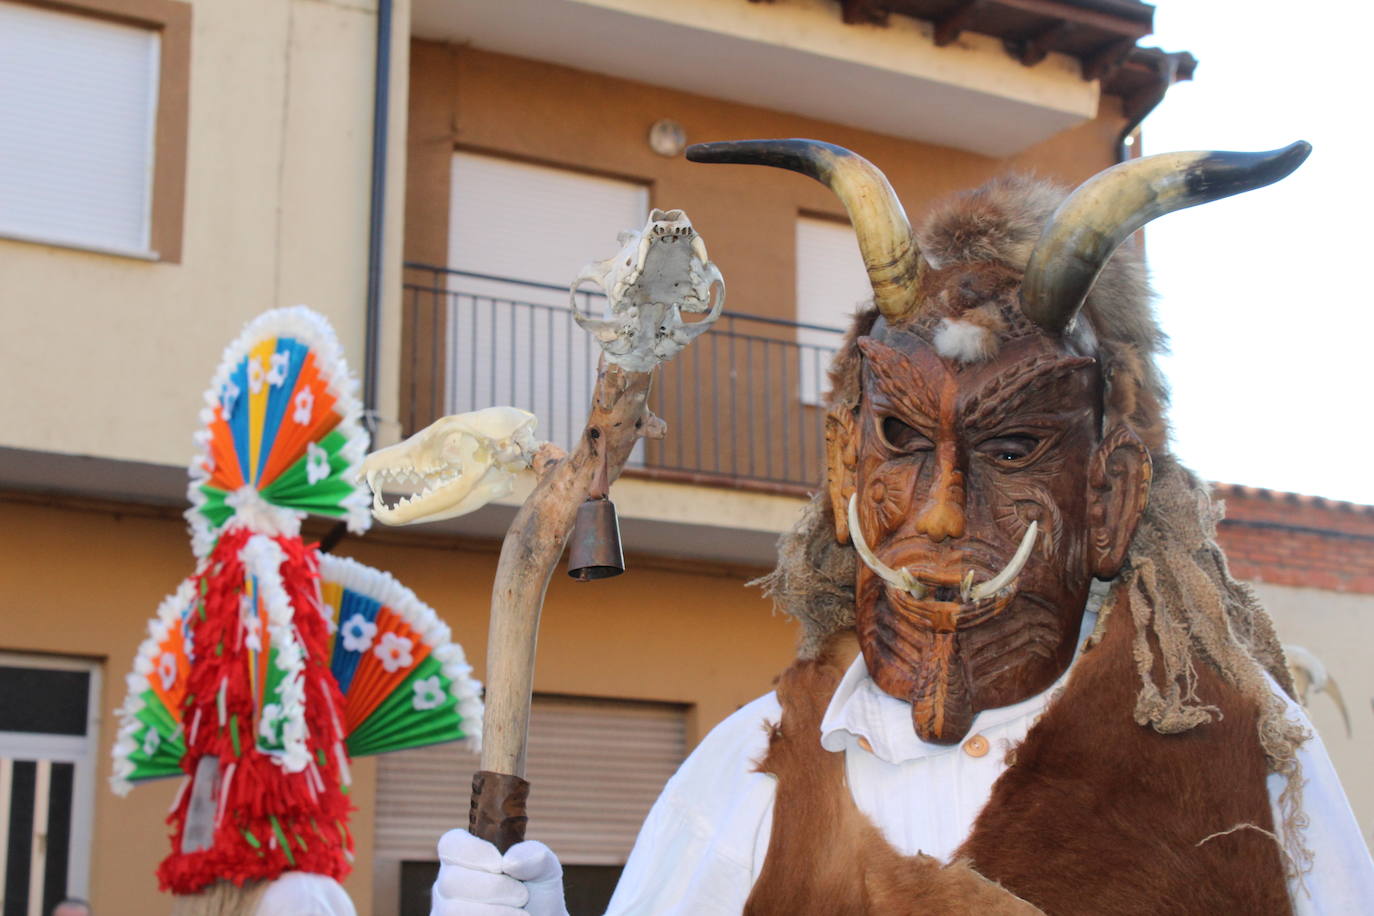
<point>1096,815</point>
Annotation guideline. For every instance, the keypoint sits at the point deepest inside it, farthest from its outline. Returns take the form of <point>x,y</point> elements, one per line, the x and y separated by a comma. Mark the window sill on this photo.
<point>91,247</point>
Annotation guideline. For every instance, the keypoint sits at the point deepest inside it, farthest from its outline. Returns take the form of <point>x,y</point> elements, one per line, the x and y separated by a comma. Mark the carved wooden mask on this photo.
<point>949,460</point>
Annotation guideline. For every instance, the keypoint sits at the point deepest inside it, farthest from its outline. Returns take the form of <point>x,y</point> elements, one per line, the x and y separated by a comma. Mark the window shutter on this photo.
<point>831,284</point>
<point>595,768</point>
<point>510,342</point>
<point>76,141</point>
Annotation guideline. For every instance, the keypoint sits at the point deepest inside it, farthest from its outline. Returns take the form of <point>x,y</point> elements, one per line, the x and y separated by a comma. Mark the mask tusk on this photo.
<point>1012,569</point>
<point>897,578</point>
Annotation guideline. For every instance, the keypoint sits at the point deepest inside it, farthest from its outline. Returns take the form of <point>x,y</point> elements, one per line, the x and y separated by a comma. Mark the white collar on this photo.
<point>860,709</point>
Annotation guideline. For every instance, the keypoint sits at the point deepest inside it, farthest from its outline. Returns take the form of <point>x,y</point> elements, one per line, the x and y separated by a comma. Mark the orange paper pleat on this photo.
<point>226,474</point>
<point>171,696</point>
<point>292,437</point>
<point>373,683</point>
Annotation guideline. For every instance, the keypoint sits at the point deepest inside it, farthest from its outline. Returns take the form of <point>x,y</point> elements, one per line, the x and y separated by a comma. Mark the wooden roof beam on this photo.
<point>1053,9</point>
<point>1106,60</point>
<point>1033,50</point>
<point>863,12</point>
<point>950,26</point>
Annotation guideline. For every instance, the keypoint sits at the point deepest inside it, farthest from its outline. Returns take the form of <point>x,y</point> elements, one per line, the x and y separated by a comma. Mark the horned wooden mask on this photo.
<point>985,473</point>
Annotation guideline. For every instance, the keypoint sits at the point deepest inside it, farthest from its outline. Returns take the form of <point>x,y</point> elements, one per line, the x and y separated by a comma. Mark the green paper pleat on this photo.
<point>281,840</point>
<point>292,487</point>
<point>214,508</point>
<point>420,739</point>
<point>271,692</point>
<point>396,724</point>
<point>155,714</point>
<point>166,760</point>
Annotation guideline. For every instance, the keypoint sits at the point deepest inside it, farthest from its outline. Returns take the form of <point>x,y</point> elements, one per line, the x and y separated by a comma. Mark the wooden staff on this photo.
<point>535,541</point>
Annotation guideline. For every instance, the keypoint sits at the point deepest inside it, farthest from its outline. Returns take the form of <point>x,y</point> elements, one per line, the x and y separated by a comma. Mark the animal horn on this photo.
<point>1103,212</point>
<point>886,242</point>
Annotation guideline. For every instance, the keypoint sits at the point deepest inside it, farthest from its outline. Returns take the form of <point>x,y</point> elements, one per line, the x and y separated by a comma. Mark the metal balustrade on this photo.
<point>742,402</point>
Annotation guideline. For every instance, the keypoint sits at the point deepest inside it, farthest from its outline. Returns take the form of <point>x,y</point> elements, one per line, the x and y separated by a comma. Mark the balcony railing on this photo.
<point>742,402</point>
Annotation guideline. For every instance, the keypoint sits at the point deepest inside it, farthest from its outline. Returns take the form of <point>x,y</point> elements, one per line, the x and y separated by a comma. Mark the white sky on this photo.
<point>1266,295</point>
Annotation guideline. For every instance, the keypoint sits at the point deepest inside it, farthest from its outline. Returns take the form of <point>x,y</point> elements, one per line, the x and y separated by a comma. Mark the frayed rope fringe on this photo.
<point>1183,596</point>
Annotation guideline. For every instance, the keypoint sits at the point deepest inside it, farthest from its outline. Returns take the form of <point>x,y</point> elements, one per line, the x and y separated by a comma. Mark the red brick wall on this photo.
<point>1302,541</point>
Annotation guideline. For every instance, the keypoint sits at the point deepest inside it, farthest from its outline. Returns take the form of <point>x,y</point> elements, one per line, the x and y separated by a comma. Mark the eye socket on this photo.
<point>1009,451</point>
<point>902,438</point>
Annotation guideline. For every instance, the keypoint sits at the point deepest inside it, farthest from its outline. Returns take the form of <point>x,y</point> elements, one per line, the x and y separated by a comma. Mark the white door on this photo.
<point>48,744</point>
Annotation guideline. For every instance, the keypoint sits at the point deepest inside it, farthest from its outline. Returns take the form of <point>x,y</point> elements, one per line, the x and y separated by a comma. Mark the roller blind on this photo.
<point>79,97</point>
<point>831,284</point>
<point>595,768</point>
<point>511,342</point>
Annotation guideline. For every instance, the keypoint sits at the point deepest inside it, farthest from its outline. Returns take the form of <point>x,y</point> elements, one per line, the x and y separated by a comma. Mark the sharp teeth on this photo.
<point>1012,569</point>
<point>898,578</point>
<point>372,481</point>
<point>699,249</point>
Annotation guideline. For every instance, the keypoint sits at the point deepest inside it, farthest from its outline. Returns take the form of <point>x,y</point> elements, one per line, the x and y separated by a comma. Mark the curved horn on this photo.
<point>885,239</point>
<point>1107,208</point>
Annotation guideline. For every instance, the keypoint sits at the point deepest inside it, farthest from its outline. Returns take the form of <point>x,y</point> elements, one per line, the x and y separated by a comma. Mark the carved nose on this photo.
<point>942,516</point>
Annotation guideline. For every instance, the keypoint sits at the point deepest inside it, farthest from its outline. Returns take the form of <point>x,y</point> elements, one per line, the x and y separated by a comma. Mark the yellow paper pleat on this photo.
<point>331,593</point>
<point>257,400</point>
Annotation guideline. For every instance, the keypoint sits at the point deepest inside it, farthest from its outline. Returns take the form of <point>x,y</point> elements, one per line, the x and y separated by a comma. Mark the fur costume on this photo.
<point>1173,681</point>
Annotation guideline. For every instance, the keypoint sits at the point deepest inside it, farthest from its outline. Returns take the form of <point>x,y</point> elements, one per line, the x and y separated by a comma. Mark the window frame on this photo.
<point>172,20</point>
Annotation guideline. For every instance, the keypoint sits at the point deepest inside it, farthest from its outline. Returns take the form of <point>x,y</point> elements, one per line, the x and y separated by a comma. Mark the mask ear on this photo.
<point>1118,489</point>
<point>841,458</point>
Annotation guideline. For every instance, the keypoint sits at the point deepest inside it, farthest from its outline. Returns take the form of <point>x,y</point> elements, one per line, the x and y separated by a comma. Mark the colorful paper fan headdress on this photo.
<point>274,664</point>
<point>283,434</point>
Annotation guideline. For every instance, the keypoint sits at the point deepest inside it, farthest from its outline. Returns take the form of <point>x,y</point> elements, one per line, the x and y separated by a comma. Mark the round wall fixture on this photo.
<point>667,137</point>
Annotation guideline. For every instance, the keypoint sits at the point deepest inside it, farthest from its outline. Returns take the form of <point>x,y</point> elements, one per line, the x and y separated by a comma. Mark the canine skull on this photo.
<point>660,272</point>
<point>456,465</point>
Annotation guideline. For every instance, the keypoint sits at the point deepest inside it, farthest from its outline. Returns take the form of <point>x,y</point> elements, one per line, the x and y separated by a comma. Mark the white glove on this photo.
<point>476,880</point>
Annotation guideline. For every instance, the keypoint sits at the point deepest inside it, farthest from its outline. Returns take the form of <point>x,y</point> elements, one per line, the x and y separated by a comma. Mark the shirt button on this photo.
<point>976,746</point>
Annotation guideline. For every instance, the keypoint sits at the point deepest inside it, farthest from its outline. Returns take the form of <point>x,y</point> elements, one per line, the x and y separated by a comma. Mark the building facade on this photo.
<point>436,223</point>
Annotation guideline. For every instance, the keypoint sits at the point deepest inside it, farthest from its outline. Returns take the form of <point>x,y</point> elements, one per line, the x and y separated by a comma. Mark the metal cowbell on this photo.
<point>594,552</point>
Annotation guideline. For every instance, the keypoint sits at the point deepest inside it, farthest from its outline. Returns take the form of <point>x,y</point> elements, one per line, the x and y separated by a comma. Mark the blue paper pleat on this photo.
<point>279,402</point>
<point>344,664</point>
<point>238,420</point>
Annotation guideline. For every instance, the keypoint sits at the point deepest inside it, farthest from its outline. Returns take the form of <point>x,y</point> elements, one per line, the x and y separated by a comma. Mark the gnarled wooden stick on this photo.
<point>535,541</point>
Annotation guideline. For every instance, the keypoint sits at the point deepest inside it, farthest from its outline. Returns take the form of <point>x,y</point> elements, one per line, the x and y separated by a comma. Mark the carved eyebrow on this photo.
<point>900,380</point>
<point>1017,384</point>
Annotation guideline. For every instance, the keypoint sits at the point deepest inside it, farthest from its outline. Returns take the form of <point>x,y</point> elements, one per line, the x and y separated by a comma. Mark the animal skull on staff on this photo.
<point>460,463</point>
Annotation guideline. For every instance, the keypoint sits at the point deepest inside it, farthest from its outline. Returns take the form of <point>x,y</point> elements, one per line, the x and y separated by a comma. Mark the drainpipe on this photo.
<point>375,235</point>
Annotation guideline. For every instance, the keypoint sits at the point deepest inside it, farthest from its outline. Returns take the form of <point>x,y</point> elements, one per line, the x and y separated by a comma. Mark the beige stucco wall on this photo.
<point>109,356</point>
<point>534,111</point>
<point>1339,630</point>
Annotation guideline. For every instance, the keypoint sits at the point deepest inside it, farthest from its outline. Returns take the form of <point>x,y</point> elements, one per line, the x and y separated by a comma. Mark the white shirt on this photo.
<point>704,842</point>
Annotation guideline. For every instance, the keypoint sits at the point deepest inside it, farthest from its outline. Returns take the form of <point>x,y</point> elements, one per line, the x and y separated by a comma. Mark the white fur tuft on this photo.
<point>967,343</point>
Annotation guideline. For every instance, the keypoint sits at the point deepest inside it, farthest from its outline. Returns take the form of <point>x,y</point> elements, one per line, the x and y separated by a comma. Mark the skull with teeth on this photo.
<point>454,466</point>
<point>988,452</point>
<point>659,273</point>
